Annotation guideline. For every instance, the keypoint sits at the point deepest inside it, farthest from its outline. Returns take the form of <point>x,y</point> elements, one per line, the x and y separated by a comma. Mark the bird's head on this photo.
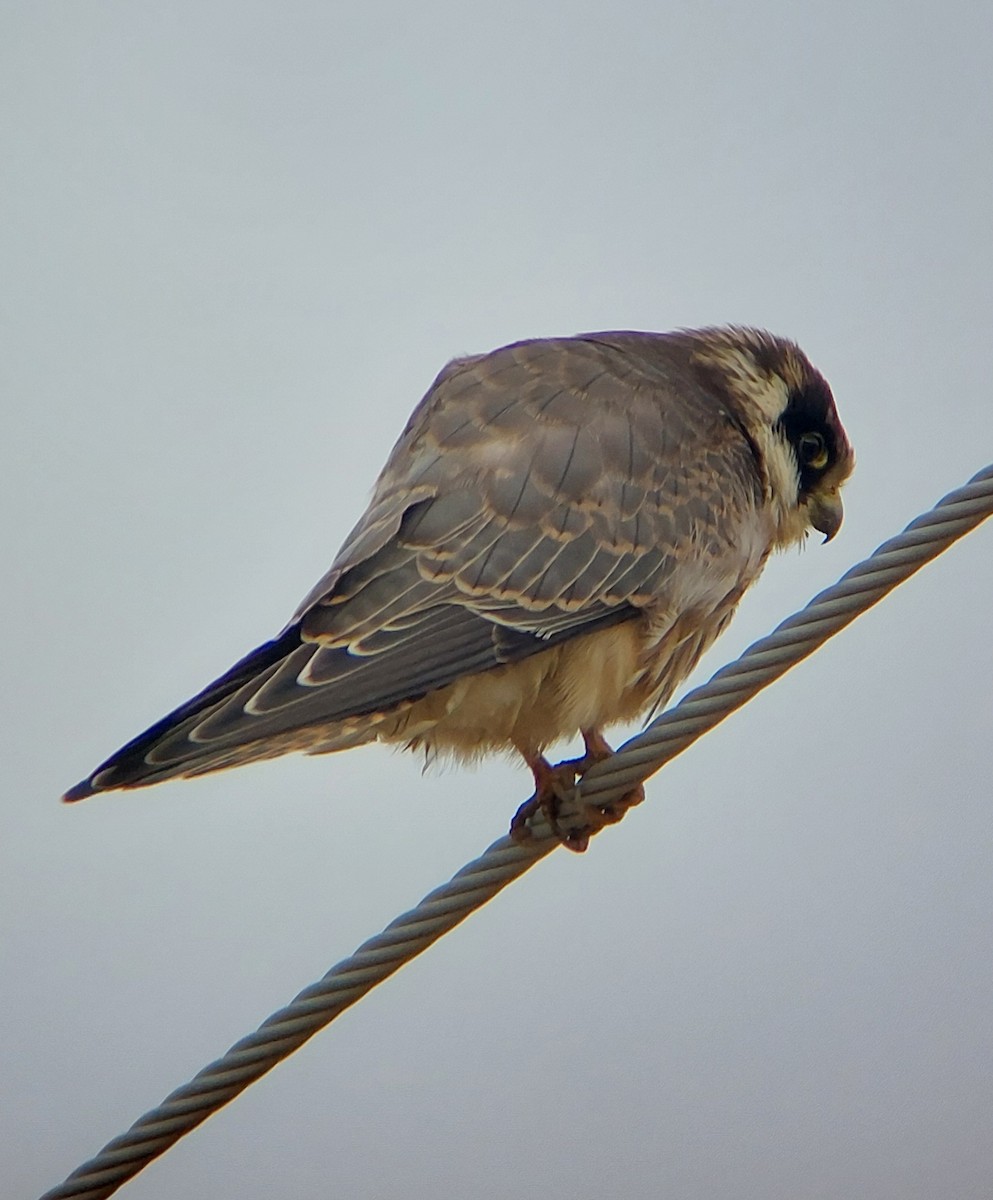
<point>787,411</point>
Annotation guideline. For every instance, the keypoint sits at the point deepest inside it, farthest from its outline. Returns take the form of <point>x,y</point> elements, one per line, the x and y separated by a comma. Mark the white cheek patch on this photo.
<point>771,397</point>
<point>781,470</point>
<point>767,396</point>
<point>768,393</point>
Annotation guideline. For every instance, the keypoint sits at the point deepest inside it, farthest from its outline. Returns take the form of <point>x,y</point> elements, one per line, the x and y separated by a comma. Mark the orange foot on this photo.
<point>572,821</point>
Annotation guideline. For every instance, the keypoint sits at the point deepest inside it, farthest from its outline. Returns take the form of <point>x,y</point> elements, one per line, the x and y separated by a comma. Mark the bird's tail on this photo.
<point>170,748</point>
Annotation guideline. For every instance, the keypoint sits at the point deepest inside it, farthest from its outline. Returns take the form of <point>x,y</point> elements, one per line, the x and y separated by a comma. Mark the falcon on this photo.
<point>564,526</point>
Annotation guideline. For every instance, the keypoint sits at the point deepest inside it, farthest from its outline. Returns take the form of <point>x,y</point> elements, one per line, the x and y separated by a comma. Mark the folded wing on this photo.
<point>538,494</point>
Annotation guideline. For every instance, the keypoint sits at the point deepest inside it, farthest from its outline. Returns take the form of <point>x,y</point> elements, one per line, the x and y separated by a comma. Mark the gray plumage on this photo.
<point>615,492</point>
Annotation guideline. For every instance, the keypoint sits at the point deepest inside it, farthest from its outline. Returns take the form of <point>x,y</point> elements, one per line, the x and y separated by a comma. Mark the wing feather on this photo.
<point>538,493</point>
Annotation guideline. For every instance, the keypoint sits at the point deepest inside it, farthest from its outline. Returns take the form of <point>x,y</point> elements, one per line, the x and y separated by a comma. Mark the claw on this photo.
<point>572,821</point>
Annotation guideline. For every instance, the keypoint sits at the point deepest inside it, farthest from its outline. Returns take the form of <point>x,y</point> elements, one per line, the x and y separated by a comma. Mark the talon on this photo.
<point>572,821</point>
<point>520,831</point>
<point>615,810</point>
<point>554,787</point>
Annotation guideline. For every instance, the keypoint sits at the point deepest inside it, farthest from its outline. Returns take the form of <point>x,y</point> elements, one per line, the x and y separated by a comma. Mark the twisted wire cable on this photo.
<point>441,910</point>
<point>792,641</point>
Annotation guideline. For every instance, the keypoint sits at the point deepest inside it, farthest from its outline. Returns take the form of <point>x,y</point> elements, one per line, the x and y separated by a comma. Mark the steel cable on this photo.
<point>441,910</point>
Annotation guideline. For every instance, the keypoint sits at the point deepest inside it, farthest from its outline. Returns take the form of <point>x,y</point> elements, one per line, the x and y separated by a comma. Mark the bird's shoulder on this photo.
<point>550,473</point>
<point>607,408</point>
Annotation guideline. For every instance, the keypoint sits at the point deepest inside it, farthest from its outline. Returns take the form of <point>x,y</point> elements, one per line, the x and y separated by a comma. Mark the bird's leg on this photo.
<point>597,749</point>
<point>553,789</point>
<point>572,821</point>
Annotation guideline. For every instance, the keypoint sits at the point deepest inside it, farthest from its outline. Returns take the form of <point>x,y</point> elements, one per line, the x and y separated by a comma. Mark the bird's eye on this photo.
<point>813,451</point>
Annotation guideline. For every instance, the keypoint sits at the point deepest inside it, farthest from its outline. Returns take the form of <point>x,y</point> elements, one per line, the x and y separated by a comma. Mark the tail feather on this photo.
<point>128,767</point>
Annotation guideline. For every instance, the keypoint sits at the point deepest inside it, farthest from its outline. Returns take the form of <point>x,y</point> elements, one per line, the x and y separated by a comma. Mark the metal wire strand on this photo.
<point>792,641</point>
<point>443,909</point>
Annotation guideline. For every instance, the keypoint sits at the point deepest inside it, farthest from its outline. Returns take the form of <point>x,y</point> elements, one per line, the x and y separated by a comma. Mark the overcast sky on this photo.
<point>238,240</point>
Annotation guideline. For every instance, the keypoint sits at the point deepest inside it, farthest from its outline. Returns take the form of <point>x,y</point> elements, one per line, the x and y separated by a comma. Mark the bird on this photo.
<point>563,528</point>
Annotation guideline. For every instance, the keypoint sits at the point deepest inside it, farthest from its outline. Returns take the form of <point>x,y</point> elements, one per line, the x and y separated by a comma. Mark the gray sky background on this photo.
<point>238,240</point>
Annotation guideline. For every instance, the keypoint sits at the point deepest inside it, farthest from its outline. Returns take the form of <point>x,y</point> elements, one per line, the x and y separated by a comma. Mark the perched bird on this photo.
<point>563,528</point>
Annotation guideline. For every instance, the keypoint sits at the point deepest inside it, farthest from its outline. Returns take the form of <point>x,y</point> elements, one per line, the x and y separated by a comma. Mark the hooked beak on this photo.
<point>826,513</point>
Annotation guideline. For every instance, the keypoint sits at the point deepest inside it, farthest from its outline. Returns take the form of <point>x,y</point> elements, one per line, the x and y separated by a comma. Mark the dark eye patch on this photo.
<point>806,423</point>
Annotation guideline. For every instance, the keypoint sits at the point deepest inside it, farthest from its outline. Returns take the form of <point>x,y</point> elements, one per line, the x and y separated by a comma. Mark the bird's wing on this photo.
<point>537,493</point>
